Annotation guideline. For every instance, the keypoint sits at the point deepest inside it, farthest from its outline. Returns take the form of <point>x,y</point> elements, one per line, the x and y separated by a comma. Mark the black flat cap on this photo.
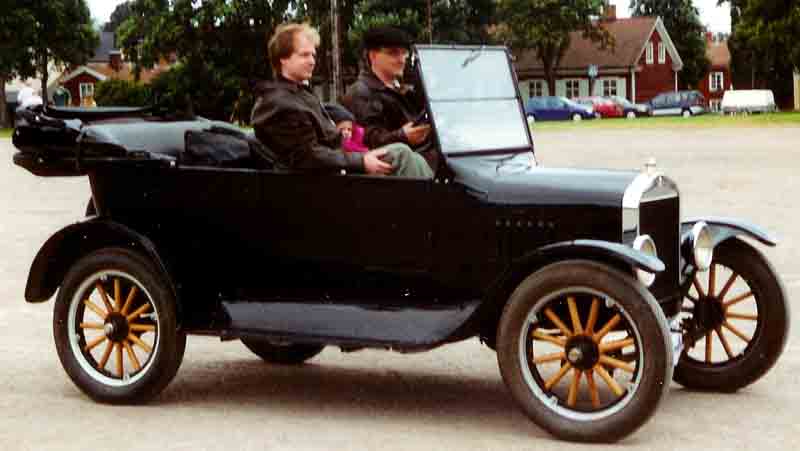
<point>385,37</point>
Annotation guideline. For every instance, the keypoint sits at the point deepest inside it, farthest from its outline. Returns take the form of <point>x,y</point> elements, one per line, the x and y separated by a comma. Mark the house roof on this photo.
<point>718,53</point>
<point>630,36</point>
<point>106,46</point>
<point>104,71</point>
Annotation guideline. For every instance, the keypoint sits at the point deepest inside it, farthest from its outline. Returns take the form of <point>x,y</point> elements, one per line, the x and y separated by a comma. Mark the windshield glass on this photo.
<point>473,99</point>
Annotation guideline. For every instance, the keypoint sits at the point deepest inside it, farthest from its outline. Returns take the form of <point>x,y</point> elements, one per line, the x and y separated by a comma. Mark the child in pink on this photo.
<point>352,133</point>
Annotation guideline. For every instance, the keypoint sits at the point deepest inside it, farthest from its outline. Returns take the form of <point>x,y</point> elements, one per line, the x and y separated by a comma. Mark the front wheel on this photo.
<point>739,309</point>
<point>115,327</point>
<point>585,351</point>
<point>686,113</point>
<point>630,115</point>
<point>281,353</point>
<point>577,117</point>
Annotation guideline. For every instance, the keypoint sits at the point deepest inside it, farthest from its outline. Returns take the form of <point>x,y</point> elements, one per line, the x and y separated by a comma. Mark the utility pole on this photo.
<point>430,23</point>
<point>336,62</point>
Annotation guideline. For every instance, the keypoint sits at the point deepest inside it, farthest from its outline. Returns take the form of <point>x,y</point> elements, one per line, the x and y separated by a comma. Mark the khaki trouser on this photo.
<point>406,162</point>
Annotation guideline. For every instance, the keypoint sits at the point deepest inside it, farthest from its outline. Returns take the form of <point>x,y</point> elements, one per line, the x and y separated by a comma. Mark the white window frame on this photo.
<point>572,88</point>
<point>716,81</point>
<point>86,90</point>
<point>609,87</point>
<point>538,88</point>
<point>662,53</point>
<point>648,53</point>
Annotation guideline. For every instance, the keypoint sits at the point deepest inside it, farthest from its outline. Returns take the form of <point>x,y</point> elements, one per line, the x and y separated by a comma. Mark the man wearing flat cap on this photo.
<point>386,108</point>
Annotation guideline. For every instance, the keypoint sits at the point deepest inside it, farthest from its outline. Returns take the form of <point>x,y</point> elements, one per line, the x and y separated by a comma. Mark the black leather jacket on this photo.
<point>289,119</point>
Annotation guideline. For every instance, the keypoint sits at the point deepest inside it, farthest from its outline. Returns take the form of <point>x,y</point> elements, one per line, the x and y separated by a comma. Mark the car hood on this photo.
<point>510,180</point>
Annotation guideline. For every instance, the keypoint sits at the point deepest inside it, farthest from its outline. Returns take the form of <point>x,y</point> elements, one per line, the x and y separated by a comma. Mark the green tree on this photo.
<point>766,34</point>
<point>114,92</point>
<point>16,55</point>
<point>544,26</point>
<point>120,13</point>
<point>682,21</point>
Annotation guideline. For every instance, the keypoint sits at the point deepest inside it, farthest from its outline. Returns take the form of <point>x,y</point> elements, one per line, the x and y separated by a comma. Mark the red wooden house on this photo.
<point>718,79</point>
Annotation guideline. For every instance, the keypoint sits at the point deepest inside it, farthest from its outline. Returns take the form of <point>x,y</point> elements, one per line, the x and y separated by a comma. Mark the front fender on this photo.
<point>725,228</point>
<point>69,244</point>
<point>597,248</point>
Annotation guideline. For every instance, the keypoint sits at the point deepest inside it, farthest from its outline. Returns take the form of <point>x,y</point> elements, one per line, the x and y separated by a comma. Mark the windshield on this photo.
<point>473,99</point>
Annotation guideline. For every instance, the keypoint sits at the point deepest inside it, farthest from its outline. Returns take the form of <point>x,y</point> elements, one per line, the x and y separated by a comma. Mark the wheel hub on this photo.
<point>116,327</point>
<point>582,352</point>
<point>709,313</point>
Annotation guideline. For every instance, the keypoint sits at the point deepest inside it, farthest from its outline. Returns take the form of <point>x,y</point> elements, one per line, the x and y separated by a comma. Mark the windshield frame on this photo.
<point>427,96</point>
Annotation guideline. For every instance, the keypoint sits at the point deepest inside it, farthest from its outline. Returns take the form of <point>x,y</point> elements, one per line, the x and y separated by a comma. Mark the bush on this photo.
<point>122,93</point>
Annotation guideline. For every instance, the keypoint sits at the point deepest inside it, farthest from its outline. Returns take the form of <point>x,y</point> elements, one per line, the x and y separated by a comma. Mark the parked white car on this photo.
<point>748,101</point>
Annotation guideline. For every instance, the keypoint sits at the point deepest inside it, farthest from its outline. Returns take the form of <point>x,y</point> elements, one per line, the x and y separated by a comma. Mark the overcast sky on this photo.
<point>716,18</point>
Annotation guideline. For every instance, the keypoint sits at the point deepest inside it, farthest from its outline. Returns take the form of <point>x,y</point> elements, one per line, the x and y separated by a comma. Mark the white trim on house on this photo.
<point>662,54</point>
<point>84,70</point>
<point>633,85</point>
<point>648,52</point>
<point>712,87</point>
<point>677,62</point>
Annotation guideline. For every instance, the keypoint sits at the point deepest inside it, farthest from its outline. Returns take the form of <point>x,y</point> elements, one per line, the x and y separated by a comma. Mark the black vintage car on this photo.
<point>587,283</point>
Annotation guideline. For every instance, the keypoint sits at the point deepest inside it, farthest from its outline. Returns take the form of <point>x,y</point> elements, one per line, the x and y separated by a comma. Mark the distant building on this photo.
<point>719,78</point>
<point>643,63</point>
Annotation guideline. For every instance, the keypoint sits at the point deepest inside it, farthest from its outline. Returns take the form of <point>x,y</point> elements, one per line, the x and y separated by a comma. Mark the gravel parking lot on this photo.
<point>452,398</point>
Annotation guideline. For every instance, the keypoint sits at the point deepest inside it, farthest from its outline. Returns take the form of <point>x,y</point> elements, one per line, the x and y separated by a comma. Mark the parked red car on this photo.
<point>603,106</point>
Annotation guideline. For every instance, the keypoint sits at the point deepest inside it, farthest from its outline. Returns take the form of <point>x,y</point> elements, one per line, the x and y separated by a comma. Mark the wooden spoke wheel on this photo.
<point>115,327</point>
<point>585,351</point>
<point>738,313</point>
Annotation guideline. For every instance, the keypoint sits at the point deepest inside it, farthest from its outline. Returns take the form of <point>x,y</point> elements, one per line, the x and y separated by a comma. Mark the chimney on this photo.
<point>115,60</point>
<point>610,12</point>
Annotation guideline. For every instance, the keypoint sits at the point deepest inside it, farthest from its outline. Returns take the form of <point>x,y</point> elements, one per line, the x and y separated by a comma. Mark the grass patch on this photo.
<point>696,122</point>
<point>6,132</point>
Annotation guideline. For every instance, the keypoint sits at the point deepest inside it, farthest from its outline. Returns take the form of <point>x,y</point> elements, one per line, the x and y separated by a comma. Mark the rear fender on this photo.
<point>726,228</point>
<point>69,244</point>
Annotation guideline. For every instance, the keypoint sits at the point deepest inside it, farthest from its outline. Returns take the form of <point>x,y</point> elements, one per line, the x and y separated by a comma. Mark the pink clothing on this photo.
<point>356,141</point>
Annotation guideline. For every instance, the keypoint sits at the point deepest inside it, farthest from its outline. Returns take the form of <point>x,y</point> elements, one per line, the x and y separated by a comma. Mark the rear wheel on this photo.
<point>280,352</point>
<point>740,306</point>
<point>577,117</point>
<point>686,113</point>
<point>115,327</point>
<point>585,351</point>
<point>630,115</point>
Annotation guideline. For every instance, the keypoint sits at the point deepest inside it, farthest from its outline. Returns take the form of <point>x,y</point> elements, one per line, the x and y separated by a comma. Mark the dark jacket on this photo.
<point>289,119</point>
<point>383,112</point>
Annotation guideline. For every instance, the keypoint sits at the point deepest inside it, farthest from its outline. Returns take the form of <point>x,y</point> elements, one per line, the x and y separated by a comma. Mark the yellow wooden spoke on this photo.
<point>132,355</point>
<point>92,326</point>
<point>727,286</point>
<point>91,345</point>
<point>736,331</point>
<point>699,289</point>
<point>738,299</point>
<point>99,287</point>
<point>709,350</point>
<point>609,380</point>
<point>712,279</point>
<point>573,313</point>
<point>555,319</point>
<point>142,327</point>
<point>104,359</point>
<point>549,338</point>
<point>549,357</point>
<point>724,342</point>
<point>95,308</point>
<point>592,316</point>
<point>614,345</point>
<point>733,315</point>
<point>557,377</point>
<point>117,296</point>
<point>592,389</point>
<point>119,359</point>
<point>607,328</point>
<point>138,312</point>
<point>139,342</point>
<point>572,396</point>
<point>619,364</point>
<point>129,300</point>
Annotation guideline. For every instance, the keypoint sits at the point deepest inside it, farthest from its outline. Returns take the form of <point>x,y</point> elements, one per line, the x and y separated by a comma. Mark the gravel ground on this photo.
<point>450,398</point>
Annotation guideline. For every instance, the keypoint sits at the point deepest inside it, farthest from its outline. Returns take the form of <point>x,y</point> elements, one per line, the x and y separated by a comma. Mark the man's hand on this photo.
<point>416,134</point>
<point>373,164</point>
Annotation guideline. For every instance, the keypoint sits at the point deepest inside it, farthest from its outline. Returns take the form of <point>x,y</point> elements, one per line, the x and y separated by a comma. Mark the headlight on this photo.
<point>645,245</point>
<point>702,246</point>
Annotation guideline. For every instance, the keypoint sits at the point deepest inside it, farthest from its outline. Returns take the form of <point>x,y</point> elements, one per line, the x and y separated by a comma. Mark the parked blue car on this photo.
<point>678,103</point>
<point>552,108</point>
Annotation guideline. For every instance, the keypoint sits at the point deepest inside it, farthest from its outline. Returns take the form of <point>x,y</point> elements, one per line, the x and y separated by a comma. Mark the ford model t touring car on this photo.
<point>589,286</point>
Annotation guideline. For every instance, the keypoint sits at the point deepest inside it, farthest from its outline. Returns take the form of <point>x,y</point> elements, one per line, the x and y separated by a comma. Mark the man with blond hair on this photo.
<point>289,119</point>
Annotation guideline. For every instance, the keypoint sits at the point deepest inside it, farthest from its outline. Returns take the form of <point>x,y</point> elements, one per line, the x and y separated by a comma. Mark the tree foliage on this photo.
<point>544,26</point>
<point>113,92</point>
<point>682,21</point>
<point>16,55</point>
<point>118,16</point>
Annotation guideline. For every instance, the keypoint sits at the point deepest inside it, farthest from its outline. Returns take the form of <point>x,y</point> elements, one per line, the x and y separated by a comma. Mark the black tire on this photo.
<point>619,412</point>
<point>144,321</point>
<point>743,362</point>
<point>686,113</point>
<point>576,117</point>
<point>282,353</point>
